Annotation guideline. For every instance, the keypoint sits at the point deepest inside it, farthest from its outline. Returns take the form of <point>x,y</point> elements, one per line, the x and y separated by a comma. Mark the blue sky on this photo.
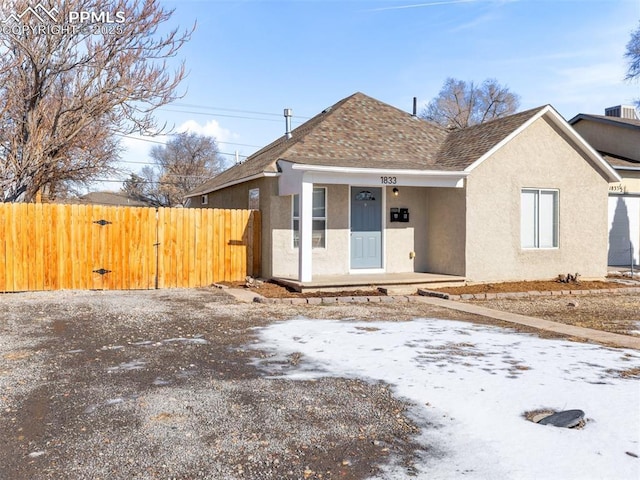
<point>248,60</point>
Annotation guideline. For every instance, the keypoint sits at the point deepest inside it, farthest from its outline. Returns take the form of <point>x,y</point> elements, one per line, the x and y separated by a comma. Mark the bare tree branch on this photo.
<point>64,95</point>
<point>633,55</point>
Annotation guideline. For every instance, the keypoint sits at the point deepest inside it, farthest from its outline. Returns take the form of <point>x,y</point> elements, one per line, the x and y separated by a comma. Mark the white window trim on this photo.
<point>293,219</point>
<point>204,200</point>
<point>537,220</point>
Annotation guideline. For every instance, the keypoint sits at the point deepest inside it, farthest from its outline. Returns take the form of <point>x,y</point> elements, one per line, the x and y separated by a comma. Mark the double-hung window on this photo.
<point>539,218</point>
<point>319,221</point>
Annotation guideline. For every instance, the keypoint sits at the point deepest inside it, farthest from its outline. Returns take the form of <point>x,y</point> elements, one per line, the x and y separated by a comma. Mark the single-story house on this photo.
<point>616,136</point>
<point>364,187</point>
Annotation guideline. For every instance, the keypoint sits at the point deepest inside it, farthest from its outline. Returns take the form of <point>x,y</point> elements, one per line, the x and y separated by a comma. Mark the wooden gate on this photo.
<point>82,247</point>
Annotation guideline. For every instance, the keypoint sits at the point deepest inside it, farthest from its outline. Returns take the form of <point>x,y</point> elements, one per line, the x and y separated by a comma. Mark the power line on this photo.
<point>153,163</point>
<point>222,115</point>
<point>142,139</point>
<point>252,112</point>
<point>218,115</point>
<point>143,181</point>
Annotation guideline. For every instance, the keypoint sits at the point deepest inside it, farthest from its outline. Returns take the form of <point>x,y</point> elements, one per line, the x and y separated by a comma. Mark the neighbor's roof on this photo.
<point>112,198</point>
<point>360,131</point>
<point>621,122</point>
<point>620,163</point>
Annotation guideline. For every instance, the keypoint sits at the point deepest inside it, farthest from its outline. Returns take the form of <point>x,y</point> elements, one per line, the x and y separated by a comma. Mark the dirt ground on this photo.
<point>608,312</point>
<point>273,290</point>
<point>539,286</point>
<point>165,384</point>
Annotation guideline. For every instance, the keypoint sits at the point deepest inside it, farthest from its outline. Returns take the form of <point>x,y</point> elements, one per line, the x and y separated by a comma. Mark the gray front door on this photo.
<point>366,227</point>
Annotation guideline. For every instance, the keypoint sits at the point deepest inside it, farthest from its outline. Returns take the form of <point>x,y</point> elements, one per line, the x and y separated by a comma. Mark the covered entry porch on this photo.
<point>405,282</point>
<point>371,244</point>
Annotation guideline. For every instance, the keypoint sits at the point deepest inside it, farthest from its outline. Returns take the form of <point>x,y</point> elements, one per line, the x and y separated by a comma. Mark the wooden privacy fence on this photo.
<point>84,247</point>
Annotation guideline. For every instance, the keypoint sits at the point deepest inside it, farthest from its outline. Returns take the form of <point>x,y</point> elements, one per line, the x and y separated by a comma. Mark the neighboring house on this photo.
<point>616,136</point>
<point>112,198</point>
<point>366,188</point>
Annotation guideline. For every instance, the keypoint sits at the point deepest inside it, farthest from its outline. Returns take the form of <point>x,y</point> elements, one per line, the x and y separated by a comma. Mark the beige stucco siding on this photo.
<point>400,239</point>
<point>446,214</point>
<point>539,157</point>
<point>334,258</point>
<point>403,238</point>
<point>614,139</point>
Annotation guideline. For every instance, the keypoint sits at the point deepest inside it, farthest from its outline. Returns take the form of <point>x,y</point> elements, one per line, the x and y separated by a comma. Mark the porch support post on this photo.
<point>306,232</point>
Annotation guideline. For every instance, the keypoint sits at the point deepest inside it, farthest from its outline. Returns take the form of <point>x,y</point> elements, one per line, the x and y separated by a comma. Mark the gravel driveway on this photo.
<point>162,384</point>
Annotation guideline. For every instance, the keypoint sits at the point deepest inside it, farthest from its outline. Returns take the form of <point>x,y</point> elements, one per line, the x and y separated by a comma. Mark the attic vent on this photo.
<point>621,111</point>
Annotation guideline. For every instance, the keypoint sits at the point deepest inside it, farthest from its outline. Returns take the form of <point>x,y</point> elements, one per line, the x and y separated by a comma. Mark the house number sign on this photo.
<point>384,180</point>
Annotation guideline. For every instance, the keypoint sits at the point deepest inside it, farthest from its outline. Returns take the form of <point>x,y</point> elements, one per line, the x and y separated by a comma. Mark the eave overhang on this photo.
<point>293,174</point>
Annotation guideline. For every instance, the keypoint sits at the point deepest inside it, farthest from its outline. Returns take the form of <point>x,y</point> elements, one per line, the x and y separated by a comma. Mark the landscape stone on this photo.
<point>566,419</point>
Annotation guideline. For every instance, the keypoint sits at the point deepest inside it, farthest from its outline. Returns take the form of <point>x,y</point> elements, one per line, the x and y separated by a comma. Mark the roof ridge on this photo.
<point>301,131</point>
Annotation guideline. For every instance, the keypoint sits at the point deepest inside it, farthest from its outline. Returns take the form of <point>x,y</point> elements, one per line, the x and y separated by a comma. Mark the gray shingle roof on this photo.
<point>360,131</point>
<point>463,147</point>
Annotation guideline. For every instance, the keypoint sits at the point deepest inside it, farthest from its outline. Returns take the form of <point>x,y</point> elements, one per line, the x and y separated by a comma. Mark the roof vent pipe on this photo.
<point>415,106</point>
<point>288,113</point>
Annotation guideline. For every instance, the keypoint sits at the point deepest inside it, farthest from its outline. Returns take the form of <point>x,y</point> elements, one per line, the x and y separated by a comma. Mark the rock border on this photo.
<point>533,293</point>
<point>333,300</point>
<point>432,293</point>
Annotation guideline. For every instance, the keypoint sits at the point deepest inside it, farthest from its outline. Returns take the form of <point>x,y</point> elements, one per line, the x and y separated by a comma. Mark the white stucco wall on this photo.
<point>539,157</point>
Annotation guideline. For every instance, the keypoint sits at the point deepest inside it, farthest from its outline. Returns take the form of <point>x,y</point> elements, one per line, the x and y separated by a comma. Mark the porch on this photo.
<point>392,282</point>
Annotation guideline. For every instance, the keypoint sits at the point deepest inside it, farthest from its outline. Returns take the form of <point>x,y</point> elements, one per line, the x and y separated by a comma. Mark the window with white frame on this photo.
<point>539,218</point>
<point>319,221</point>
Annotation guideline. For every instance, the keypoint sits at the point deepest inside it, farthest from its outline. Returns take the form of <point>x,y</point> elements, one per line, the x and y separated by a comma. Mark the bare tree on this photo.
<point>460,104</point>
<point>68,85</point>
<point>136,187</point>
<point>633,54</point>
<point>184,163</point>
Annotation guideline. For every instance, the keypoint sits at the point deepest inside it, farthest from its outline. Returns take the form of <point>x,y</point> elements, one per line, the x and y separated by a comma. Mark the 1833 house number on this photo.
<point>388,180</point>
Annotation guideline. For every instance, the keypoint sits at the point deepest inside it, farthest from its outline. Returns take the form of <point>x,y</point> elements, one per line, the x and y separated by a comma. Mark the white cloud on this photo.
<point>212,129</point>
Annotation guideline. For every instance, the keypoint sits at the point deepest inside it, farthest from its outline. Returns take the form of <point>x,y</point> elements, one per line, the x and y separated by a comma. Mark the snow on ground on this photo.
<point>471,385</point>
